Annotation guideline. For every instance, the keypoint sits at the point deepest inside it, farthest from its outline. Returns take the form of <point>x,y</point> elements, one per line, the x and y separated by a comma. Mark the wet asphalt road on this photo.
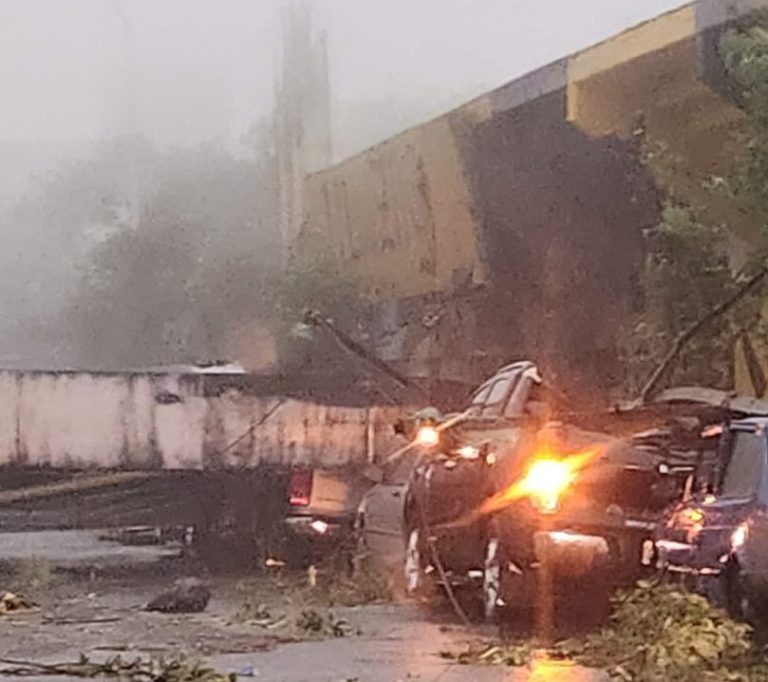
<point>396,642</point>
<point>399,644</point>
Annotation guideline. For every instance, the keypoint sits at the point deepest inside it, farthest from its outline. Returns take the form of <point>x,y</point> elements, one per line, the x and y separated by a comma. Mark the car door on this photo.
<point>383,512</point>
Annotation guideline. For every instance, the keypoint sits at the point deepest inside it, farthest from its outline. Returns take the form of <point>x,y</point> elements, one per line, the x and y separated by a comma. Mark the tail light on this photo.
<point>300,488</point>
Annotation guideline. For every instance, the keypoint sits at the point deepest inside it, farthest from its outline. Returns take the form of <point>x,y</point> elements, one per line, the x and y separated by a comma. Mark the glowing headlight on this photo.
<point>468,452</point>
<point>546,481</point>
<point>427,435</point>
<point>739,536</point>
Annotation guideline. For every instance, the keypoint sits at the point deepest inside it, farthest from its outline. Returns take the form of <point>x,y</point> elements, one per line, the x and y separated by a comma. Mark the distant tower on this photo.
<point>302,113</point>
<point>120,117</point>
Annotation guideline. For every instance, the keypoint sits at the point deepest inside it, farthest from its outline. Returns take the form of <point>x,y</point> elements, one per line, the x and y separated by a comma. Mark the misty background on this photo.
<point>138,180</point>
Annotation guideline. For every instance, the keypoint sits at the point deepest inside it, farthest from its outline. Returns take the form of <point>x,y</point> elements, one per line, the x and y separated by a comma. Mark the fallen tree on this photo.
<point>660,374</point>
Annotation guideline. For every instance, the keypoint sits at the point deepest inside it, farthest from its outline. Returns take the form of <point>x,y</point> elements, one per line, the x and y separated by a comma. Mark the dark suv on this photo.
<point>717,541</point>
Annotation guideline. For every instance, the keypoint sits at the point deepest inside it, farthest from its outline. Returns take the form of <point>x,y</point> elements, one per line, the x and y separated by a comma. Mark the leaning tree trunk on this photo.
<point>684,338</point>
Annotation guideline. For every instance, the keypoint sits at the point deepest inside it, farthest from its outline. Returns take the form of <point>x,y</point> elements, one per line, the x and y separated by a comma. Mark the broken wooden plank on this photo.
<point>74,485</point>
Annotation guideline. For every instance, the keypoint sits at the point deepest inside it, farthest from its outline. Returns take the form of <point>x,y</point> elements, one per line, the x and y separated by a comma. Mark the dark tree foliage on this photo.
<point>688,268</point>
<point>139,256</point>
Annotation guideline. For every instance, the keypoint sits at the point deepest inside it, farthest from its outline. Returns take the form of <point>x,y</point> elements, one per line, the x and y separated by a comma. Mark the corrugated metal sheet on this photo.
<point>81,420</point>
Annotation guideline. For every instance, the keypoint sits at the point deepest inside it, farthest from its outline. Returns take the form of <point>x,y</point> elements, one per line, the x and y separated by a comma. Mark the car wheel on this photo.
<point>491,579</point>
<point>727,591</point>
<point>413,567</point>
<point>737,597</point>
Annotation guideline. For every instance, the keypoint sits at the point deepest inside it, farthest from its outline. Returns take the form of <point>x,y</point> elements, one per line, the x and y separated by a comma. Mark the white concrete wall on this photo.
<point>81,420</point>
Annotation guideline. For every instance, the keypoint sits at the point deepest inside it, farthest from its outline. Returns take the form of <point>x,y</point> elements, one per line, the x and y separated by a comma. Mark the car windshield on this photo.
<point>481,396</point>
<point>746,465</point>
<point>489,399</point>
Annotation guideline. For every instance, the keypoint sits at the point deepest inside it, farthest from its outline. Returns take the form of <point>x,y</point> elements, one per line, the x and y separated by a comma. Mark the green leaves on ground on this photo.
<point>514,655</point>
<point>366,586</point>
<point>711,235</point>
<point>313,623</point>
<point>658,633</point>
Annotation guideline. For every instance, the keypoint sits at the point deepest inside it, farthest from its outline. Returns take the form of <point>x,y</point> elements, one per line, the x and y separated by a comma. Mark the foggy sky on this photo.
<point>186,71</point>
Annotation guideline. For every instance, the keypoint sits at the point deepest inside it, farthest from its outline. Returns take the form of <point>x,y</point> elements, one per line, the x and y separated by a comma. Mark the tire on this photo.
<point>413,566</point>
<point>728,592</point>
<point>492,580</point>
<point>737,600</point>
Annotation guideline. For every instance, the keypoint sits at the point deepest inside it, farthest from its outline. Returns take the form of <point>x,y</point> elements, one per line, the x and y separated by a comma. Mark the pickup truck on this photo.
<point>322,508</point>
<point>456,472</point>
<point>508,488</point>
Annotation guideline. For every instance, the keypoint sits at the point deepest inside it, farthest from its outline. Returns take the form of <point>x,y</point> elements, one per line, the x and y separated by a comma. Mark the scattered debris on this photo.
<point>188,595</point>
<point>135,536</point>
<point>113,647</point>
<point>514,655</point>
<point>81,621</point>
<point>13,603</point>
<point>339,627</point>
<point>177,670</point>
<point>261,615</point>
<point>366,586</point>
<point>659,633</point>
<point>313,623</point>
<point>294,608</point>
<point>77,484</point>
<point>310,621</point>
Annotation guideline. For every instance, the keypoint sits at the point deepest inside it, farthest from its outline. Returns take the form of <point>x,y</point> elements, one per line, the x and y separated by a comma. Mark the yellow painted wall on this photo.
<point>744,381</point>
<point>651,36</point>
<point>648,78</point>
<point>397,217</point>
<point>648,67</point>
